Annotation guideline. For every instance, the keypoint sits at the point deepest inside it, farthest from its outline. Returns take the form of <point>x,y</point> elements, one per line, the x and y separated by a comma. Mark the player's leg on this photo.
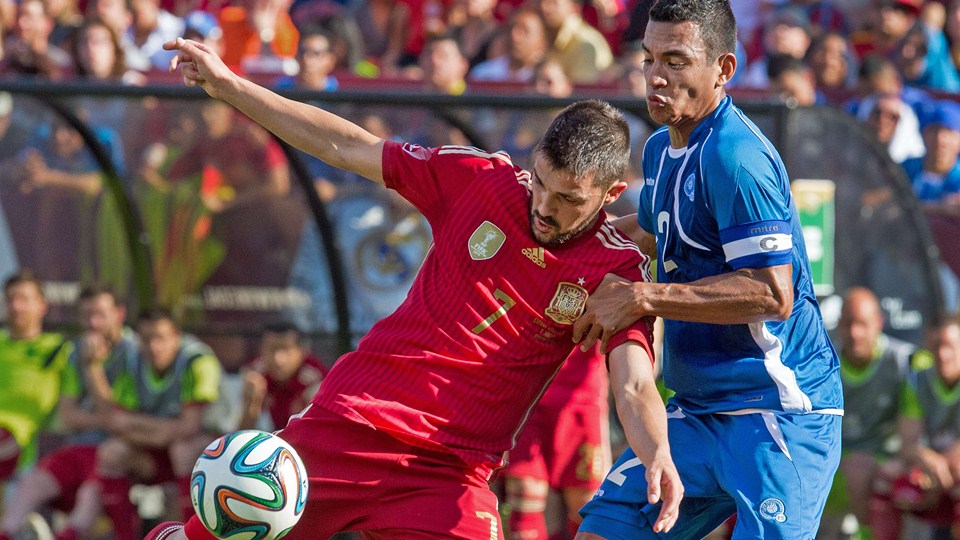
<point>183,454</point>
<point>580,457</point>
<point>117,461</point>
<point>9,454</point>
<point>526,477</point>
<point>56,481</point>
<point>859,470</point>
<point>781,467</point>
<point>35,489</point>
<point>619,510</point>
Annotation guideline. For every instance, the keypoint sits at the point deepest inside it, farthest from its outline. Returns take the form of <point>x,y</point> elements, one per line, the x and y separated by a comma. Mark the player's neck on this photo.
<point>680,133</point>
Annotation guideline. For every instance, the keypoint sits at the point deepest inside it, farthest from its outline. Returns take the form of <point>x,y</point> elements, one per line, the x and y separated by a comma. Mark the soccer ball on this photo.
<point>249,485</point>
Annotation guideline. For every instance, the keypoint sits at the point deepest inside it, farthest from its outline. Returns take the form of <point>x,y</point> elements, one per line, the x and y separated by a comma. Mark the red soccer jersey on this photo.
<point>287,398</point>
<point>582,380</point>
<point>488,320</point>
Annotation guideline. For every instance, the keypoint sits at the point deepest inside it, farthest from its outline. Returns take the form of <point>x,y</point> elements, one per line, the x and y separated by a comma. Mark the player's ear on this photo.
<point>728,66</point>
<point>614,192</point>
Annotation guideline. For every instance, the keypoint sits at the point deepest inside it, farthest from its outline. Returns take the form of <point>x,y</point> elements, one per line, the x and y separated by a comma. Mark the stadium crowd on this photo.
<point>132,400</point>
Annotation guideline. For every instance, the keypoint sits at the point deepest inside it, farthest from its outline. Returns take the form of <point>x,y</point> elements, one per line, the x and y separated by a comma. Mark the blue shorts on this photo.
<point>773,470</point>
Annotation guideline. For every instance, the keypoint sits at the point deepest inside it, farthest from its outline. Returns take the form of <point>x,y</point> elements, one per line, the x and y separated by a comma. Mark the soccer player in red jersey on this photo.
<point>405,432</point>
<point>564,446</point>
<point>281,381</point>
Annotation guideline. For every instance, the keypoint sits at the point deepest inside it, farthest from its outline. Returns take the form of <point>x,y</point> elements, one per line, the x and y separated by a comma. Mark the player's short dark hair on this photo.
<point>588,136</point>
<point>24,275</point>
<point>93,290</point>
<point>714,18</point>
<point>155,314</point>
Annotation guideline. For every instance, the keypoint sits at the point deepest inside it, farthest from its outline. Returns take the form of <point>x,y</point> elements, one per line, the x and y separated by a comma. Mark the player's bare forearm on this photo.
<point>334,140</point>
<point>157,432</point>
<point>74,418</point>
<point>644,420</point>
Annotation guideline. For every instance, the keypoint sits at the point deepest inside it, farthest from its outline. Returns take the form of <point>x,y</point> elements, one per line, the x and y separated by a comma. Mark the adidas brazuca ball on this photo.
<point>249,485</point>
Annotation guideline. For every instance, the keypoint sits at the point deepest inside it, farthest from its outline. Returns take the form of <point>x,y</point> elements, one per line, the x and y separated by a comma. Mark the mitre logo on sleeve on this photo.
<point>567,303</point>
<point>486,241</point>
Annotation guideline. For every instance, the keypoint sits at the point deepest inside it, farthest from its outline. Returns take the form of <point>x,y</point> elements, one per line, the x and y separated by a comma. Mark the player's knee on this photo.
<point>184,453</point>
<point>113,456</point>
<point>574,499</point>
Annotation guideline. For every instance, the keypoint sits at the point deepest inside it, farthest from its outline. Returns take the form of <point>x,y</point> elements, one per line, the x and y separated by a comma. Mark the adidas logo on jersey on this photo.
<point>535,255</point>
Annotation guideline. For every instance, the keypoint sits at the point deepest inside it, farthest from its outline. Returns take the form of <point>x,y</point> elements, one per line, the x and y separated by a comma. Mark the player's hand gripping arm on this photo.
<point>744,296</point>
<point>644,420</point>
<point>332,139</point>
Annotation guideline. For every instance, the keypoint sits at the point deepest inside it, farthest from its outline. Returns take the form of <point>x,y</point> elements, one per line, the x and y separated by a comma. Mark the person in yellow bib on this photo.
<point>32,364</point>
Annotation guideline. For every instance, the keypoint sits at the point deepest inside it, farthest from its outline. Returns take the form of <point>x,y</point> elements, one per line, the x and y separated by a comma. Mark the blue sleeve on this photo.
<point>747,190</point>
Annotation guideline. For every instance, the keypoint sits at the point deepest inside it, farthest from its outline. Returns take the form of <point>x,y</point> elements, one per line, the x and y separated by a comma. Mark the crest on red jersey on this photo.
<point>567,303</point>
<point>486,241</point>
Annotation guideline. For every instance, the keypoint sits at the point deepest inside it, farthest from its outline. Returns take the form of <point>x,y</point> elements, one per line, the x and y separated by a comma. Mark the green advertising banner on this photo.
<point>815,204</point>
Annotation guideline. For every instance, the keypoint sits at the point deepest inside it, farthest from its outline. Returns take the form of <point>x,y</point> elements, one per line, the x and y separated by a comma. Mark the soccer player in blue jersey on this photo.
<point>754,427</point>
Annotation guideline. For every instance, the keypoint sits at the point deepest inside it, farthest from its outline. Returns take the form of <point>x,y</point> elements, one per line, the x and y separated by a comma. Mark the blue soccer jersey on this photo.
<point>718,205</point>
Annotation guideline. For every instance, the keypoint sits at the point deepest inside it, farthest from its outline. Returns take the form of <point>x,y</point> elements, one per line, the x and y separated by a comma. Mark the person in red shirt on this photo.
<point>565,446</point>
<point>406,431</point>
<point>281,381</point>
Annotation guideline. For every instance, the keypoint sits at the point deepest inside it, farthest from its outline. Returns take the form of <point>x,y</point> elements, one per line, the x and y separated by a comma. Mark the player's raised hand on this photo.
<point>200,66</point>
<point>605,314</point>
<point>663,484</point>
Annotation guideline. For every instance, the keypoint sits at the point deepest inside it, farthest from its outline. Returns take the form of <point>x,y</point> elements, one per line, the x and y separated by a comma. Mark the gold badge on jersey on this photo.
<point>486,241</point>
<point>567,303</point>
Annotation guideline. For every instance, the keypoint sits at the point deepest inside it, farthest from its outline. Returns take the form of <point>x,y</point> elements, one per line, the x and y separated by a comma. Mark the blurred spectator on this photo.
<point>316,60</point>
<point>923,59</point>
<point>631,70</point>
<point>384,28</point>
<point>526,45</point>
<point>66,19</point>
<point>878,75</point>
<point>825,16</point>
<point>259,36</point>
<point>550,79</point>
<point>923,479</point>
<point>115,13</point>
<point>793,82</point>
<point>875,370</point>
<point>27,51</point>
<point>895,125</point>
<point>281,381</point>
<point>951,29</point>
<point>99,355</point>
<point>936,182</point>
<point>578,47</point>
<point>14,131</point>
<point>472,24</point>
<point>833,65</point>
<point>32,364</point>
<point>99,56</point>
<point>786,34</point>
<point>151,27</point>
<point>890,20</point>
<point>155,432</point>
<point>203,27</point>
<point>444,66</point>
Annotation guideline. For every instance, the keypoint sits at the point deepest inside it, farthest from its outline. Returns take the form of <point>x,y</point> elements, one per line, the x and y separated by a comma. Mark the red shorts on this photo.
<point>364,480</point>
<point>70,466</point>
<point>9,454</point>
<point>568,446</point>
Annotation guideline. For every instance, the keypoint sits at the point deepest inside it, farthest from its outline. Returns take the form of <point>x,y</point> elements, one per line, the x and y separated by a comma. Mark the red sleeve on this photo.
<point>641,332</point>
<point>432,179</point>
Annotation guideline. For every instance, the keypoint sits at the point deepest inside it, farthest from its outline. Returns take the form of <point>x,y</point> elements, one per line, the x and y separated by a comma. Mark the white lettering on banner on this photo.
<point>238,298</point>
<point>901,319</point>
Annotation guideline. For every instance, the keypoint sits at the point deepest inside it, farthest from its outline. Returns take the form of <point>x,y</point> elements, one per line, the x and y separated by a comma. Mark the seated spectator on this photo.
<point>875,370</point>
<point>951,29</point>
<point>787,34</point>
<point>155,433</point>
<point>316,60</point>
<point>890,22</point>
<point>895,125</point>
<point>923,478</point>
<point>578,47</point>
<point>66,19</point>
<point>150,28</point>
<point>32,365</point>
<point>203,27</point>
<point>793,82</point>
<point>473,25</point>
<point>27,50</point>
<point>924,61</point>
<point>281,381</point>
<point>259,36</point>
<point>115,13</point>
<point>99,56</point>
<point>833,65</point>
<point>99,355</point>
<point>631,70</point>
<point>444,65</point>
<point>825,16</point>
<point>526,44</point>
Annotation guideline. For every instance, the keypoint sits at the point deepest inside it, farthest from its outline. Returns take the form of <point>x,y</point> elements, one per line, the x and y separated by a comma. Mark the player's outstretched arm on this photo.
<point>334,140</point>
<point>744,296</point>
<point>644,420</point>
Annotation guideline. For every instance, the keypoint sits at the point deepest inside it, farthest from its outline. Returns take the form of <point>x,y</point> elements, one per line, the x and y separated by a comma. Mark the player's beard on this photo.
<point>559,237</point>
